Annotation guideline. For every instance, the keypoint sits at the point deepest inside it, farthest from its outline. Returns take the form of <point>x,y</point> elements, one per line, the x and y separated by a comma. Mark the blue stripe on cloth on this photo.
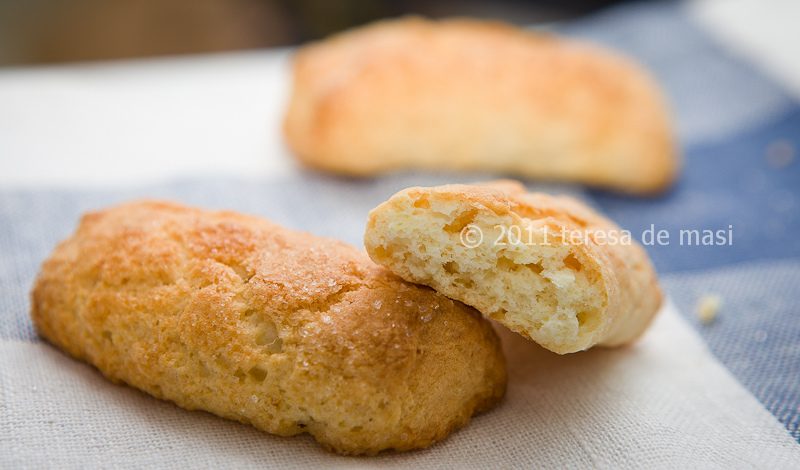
<point>756,331</point>
<point>712,92</point>
<point>731,182</point>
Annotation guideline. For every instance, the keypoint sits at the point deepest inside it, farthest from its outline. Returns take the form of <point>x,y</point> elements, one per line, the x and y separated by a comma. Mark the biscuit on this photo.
<point>286,331</point>
<point>467,95</point>
<point>546,267</point>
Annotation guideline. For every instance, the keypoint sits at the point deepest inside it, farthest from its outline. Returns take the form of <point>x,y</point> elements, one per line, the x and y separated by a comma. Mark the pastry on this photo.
<point>478,96</point>
<point>284,330</point>
<point>547,267</point>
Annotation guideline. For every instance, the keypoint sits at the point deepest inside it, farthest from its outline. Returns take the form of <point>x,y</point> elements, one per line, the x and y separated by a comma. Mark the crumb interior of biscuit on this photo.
<point>537,285</point>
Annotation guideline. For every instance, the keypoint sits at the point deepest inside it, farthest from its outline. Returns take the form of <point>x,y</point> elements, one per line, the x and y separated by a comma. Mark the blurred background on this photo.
<point>47,31</point>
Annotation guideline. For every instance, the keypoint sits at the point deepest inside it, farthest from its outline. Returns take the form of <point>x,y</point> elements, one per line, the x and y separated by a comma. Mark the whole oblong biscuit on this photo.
<point>547,267</point>
<point>478,96</point>
<point>289,332</point>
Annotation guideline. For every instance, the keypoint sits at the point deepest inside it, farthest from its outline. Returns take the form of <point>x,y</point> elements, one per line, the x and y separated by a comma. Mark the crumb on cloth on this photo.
<point>707,308</point>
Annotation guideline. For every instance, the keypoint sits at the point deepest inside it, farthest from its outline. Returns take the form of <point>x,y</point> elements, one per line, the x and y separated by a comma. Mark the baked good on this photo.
<point>289,332</point>
<point>475,95</point>
<point>546,267</point>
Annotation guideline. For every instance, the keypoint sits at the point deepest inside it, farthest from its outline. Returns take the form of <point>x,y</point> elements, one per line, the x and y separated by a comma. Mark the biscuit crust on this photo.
<point>286,331</point>
<point>471,95</point>
<point>567,278</point>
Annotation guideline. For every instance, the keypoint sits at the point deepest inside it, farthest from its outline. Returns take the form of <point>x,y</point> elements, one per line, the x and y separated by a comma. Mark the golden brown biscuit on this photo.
<point>472,95</point>
<point>547,267</point>
<point>289,332</point>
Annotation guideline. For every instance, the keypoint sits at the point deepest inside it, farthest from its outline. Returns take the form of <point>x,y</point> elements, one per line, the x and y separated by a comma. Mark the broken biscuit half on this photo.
<point>547,267</point>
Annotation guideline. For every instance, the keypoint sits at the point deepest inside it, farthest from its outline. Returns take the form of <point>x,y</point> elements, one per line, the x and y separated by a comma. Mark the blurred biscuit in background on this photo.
<point>484,96</point>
